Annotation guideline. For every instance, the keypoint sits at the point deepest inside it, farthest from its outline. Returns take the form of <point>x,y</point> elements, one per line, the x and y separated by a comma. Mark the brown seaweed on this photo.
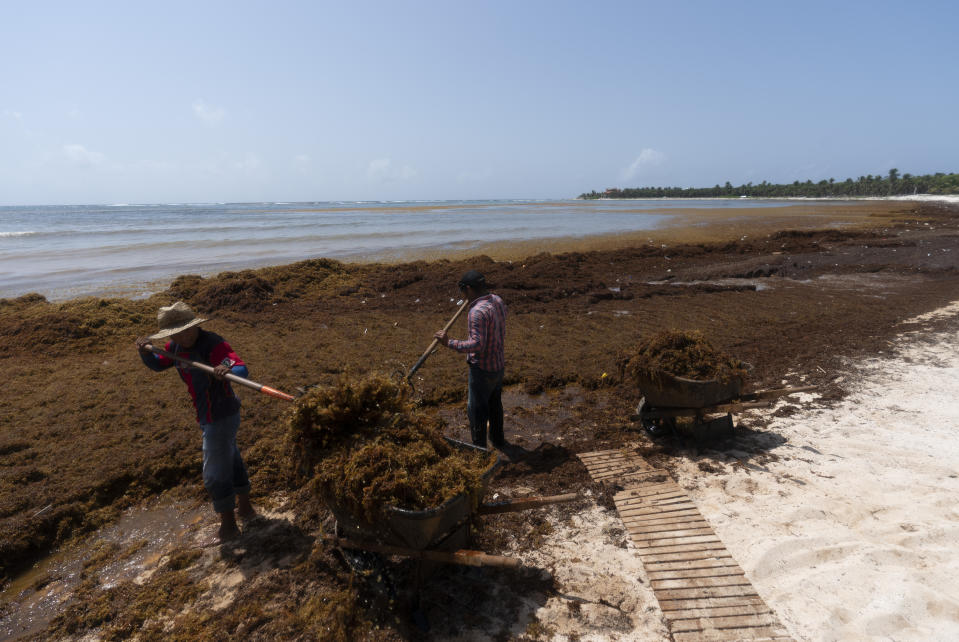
<point>366,450</point>
<point>681,354</point>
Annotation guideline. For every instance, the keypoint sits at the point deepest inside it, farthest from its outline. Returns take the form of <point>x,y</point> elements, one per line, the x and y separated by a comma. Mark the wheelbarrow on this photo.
<point>430,537</point>
<point>444,527</point>
<point>667,397</point>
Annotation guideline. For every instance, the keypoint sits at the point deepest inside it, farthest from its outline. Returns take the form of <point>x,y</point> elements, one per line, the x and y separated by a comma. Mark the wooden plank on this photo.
<point>728,622</point>
<point>651,495</point>
<point>657,503</point>
<point>650,499</point>
<point>677,553</point>
<point>755,633</point>
<point>611,464</point>
<point>737,590</point>
<point>759,608</point>
<point>655,536</point>
<point>656,552</point>
<point>684,553</point>
<point>664,518</point>
<point>661,511</point>
<point>658,512</point>
<point>700,582</point>
<point>679,524</point>
<point>601,453</point>
<point>717,571</point>
<point>684,604</point>
<point>632,503</point>
<point>629,480</point>
<point>691,564</point>
<point>643,520</point>
<point>613,473</point>
<point>667,542</point>
<point>645,490</point>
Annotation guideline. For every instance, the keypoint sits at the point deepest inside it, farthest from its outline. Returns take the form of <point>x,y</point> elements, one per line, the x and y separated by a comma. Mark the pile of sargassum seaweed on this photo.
<point>365,449</point>
<point>680,354</point>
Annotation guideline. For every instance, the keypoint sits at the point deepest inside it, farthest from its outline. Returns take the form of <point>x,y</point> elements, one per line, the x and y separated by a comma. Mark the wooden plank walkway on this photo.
<point>703,592</point>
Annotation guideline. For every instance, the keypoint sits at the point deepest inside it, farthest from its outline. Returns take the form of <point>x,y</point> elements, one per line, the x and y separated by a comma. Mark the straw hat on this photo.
<point>175,318</point>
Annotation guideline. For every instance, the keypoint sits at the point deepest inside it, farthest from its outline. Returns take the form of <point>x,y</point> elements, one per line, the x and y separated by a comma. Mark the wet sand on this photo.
<point>698,225</point>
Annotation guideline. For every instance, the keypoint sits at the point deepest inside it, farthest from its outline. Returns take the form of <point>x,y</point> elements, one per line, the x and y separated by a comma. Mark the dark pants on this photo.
<point>485,405</point>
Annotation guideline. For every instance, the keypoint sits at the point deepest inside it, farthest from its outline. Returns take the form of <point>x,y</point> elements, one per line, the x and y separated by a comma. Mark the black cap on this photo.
<point>473,279</point>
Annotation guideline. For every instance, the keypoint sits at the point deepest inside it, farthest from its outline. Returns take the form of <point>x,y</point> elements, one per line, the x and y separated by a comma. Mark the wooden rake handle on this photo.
<point>259,387</point>
<point>436,342</point>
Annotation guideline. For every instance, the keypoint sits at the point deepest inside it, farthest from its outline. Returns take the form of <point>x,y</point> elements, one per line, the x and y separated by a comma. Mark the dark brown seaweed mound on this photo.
<point>681,354</point>
<point>366,450</point>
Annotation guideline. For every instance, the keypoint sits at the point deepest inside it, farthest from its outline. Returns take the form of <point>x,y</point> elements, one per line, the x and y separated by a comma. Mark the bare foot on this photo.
<point>227,533</point>
<point>244,509</point>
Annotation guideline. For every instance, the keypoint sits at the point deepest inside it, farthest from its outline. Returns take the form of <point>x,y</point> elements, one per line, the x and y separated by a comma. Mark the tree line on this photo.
<point>893,184</point>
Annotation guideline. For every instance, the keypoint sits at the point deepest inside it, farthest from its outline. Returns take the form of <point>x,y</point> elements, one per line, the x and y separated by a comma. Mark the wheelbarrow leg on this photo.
<point>417,614</point>
<point>656,427</point>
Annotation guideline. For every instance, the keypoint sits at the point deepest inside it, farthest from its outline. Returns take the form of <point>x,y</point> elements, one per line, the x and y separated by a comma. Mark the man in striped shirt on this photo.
<point>485,355</point>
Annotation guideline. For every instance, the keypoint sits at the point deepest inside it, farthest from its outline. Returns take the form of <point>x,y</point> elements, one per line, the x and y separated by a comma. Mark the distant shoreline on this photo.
<point>946,198</point>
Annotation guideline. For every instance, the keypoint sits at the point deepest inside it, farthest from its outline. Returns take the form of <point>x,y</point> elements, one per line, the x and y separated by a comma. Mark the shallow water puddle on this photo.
<point>129,550</point>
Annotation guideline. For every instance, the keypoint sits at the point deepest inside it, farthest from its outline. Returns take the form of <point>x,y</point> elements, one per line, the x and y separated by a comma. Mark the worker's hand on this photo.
<point>442,338</point>
<point>142,343</point>
<point>221,371</point>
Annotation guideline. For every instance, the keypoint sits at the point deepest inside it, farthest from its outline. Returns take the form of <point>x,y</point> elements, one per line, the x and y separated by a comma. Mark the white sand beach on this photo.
<point>852,533</point>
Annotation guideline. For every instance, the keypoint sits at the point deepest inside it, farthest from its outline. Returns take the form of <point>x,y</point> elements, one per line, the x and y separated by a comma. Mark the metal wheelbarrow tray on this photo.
<point>445,526</point>
<point>668,397</point>
<point>670,391</point>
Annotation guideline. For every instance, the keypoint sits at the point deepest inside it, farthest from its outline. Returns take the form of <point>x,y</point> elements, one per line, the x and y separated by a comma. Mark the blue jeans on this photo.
<point>485,405</point>
<point>224,473</point>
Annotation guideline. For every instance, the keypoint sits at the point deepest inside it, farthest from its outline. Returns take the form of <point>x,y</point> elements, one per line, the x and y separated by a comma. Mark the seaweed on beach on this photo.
<point>254,290</point>
<point>35,321</point>
<point>365,450</point>
<point>680,354</point>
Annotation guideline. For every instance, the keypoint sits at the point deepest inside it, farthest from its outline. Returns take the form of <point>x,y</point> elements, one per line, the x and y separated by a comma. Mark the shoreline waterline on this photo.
<point>134,255</point>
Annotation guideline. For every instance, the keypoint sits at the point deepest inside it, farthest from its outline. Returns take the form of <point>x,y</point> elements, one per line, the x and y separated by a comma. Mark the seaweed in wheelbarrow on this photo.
<point>382,469</point>
<point>677,369</point>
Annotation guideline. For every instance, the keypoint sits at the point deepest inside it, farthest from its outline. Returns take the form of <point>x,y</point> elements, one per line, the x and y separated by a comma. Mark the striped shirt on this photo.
<point>487,334</point>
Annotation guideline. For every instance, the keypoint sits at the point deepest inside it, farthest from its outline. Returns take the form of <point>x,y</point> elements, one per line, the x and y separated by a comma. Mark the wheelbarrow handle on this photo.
<point>462,556</point>
<point>524,503</point>
<point>429,350</point>
<point>259,387</point>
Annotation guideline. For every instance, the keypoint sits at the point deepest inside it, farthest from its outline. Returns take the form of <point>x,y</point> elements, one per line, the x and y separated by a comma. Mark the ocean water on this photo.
<point>64,251</point>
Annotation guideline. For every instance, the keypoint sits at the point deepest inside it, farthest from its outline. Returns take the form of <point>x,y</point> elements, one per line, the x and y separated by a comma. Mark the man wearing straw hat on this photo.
<point>217,407</point>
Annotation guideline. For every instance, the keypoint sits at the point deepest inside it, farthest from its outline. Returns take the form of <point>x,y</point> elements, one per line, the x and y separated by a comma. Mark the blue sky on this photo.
<point>116,102</point>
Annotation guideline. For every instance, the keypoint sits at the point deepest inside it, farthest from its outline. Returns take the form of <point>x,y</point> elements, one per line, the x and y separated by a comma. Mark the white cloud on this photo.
<point>647,158</point>
<point>208,113</point>
<point>384,171</point>
<point>80,155</point>
<point>13,114</point>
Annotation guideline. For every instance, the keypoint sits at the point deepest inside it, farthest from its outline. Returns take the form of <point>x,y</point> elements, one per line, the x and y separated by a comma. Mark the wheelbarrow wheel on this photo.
<point>655,426</point>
